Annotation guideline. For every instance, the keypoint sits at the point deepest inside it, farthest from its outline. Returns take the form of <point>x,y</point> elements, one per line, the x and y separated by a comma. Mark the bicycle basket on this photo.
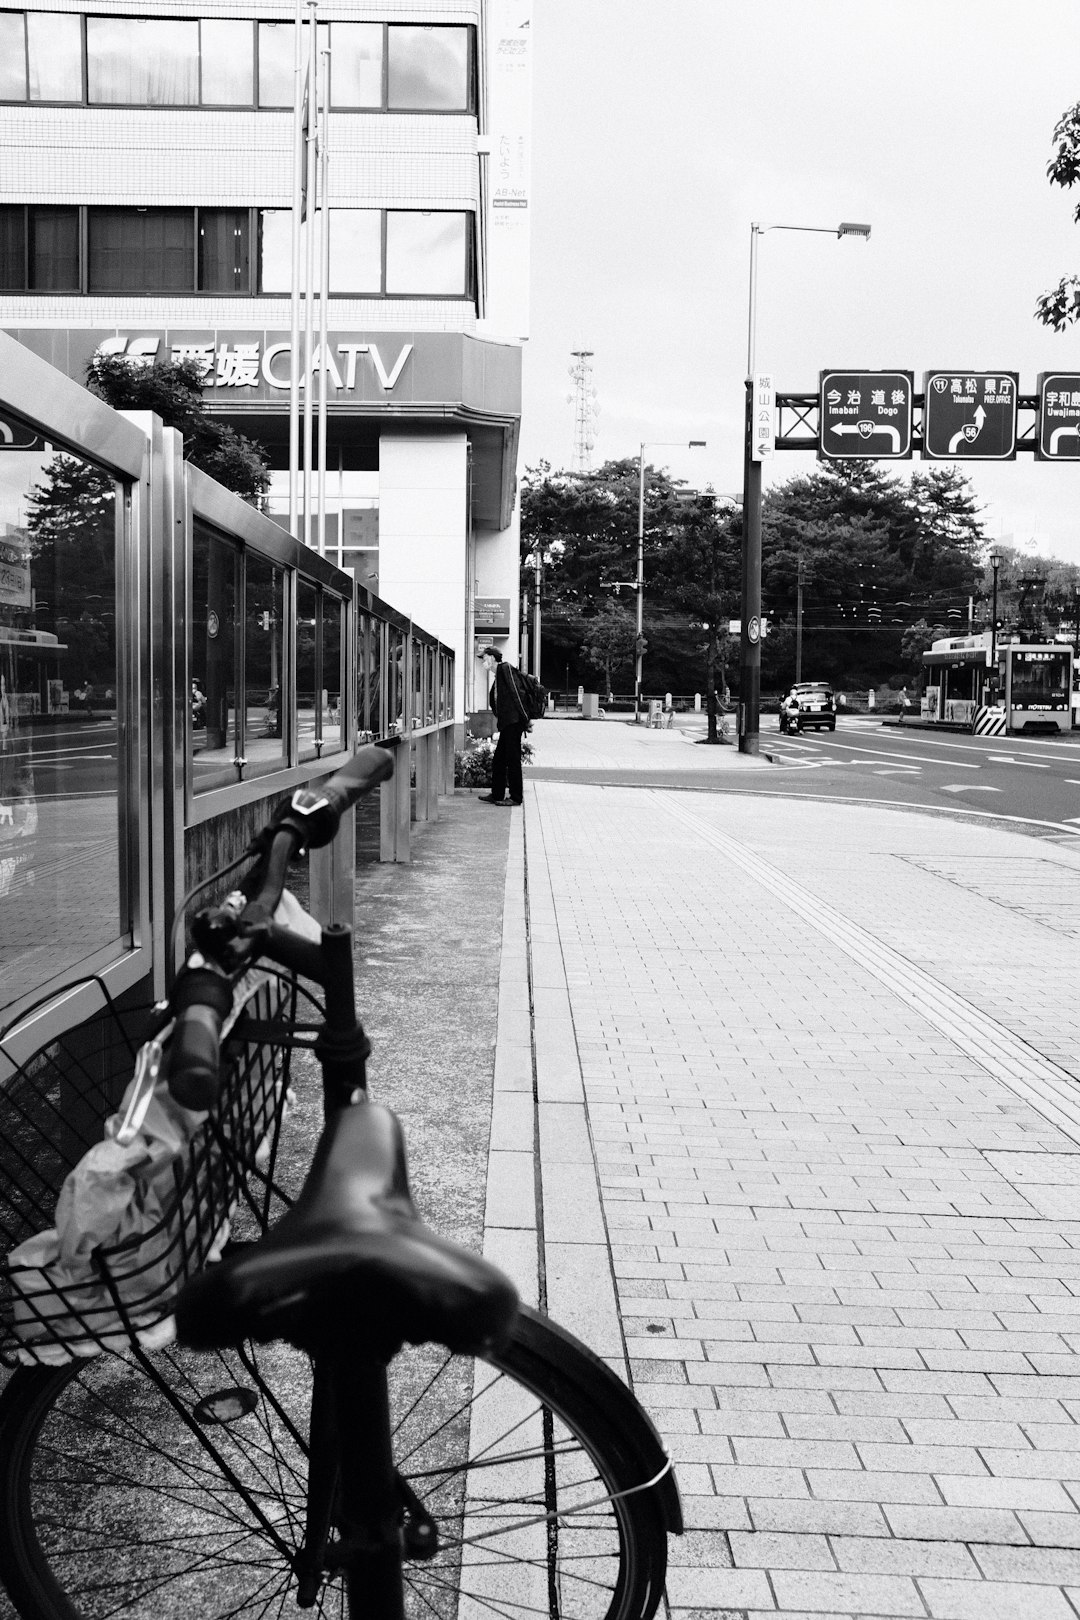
<point>52,1110</point>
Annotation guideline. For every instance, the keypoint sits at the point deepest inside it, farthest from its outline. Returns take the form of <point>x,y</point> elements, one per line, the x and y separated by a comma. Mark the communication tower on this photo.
<point>586,408</point>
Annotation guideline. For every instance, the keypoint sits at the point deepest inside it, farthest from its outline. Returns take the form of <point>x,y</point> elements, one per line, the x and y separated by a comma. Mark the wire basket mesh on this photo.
<point>53,1108</point>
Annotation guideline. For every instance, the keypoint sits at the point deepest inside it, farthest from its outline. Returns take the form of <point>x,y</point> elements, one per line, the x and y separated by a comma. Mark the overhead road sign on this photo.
<point>1059,416</point>
<point>866,414</point>
<point>970,415</point>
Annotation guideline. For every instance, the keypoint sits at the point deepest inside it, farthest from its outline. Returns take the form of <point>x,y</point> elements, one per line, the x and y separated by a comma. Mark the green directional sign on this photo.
<point>866,414</point>
<point>1059,417</point>
<point>970,415</point>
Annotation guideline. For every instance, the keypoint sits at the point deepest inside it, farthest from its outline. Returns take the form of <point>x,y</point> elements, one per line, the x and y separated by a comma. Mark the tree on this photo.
<point>174,391</point>
<point>611,636</point>
<point>71,528</point>
<point>1061,305</point>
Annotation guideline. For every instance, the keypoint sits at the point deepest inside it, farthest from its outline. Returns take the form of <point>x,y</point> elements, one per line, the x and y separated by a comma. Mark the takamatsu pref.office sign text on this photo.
<point>866,415</point>
<point>970,415</point>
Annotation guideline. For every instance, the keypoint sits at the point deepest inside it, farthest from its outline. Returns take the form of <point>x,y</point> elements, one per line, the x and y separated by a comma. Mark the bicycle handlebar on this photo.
<point>202,999</point>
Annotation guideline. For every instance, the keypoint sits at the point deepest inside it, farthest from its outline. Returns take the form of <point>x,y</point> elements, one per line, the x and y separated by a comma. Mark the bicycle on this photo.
<point>288,1445</point>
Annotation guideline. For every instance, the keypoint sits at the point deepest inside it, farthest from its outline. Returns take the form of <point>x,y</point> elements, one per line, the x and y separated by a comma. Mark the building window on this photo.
<point>426,253</point>
<point>356,65</point>
<point>54,55</point>
<point>429,69</point>
<point>227,57</point>
<point>39,249</point>
<point>141,250</point>
<point>230,62</point>
<point>356,250</point>
<point>142,61</point>
<point>224,250</point>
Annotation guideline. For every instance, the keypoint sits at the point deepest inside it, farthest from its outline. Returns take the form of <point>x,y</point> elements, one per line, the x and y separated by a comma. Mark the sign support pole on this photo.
<point>749,636</point>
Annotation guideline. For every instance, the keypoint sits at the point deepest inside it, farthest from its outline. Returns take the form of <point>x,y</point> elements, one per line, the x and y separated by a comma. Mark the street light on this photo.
<point>639,586</point>
<point>995,564</point>
<point>750,637</point>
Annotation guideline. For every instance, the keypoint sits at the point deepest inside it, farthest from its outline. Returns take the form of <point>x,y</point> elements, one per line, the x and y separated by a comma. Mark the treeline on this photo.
<point>885,564</point>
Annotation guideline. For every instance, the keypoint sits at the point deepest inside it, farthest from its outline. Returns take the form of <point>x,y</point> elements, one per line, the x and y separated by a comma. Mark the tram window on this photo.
<point>333,672</point>
<point>63,893</point>
<point>307,626</point>
<point>213,660</point>
<point>265,738</point>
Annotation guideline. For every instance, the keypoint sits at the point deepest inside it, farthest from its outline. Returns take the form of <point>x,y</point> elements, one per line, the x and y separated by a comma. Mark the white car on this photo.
<point>808,703</point>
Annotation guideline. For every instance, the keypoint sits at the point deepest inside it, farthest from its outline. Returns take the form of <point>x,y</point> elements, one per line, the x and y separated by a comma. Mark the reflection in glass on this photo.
<point>142,61</point>
<point>54,49</point>
<point>307,627</point>
<point>369,694</point>
<point>429,68</point>
<point>333,672</point>
<point>277,61</point>
<point>356,64</point>
<point>265,745</point>
<point>425,253</point>
<point>355,250</point>
<point>395,680</point>
<point>212,660</point>
<point>228,67</point>
<point>61,891</point>
<point>12,57</point>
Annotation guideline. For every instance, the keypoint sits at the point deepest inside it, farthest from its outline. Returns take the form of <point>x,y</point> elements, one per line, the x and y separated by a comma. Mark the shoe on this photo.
<point>514,801</point>
<point>485,798</point>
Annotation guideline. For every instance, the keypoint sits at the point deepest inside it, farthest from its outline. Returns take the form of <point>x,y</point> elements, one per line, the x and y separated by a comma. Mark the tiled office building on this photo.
<point>146,174</point>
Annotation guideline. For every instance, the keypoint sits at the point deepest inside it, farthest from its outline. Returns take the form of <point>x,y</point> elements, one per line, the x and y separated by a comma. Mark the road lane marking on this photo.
<point>899,770</point>
<point>967,787</point>
<point>887,752</point>
<point>1007,759</point>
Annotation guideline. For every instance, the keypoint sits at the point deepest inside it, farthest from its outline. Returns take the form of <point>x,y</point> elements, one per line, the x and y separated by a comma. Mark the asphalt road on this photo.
<point>1030,783</point>
<point>69,760</point>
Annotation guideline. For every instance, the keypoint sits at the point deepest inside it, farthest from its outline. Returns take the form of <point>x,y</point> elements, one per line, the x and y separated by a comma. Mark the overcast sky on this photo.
<point>661,132</point>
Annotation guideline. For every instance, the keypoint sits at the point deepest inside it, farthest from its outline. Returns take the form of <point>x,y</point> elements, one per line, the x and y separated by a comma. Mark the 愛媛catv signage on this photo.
<point>241,367</point>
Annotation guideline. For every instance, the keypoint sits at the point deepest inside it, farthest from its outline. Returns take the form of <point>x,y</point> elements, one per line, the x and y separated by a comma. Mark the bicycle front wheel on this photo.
<point>181,1487</point>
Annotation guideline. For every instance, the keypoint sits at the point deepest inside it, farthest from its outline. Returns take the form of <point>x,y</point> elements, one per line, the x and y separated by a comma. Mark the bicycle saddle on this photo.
<point>351,1258</point>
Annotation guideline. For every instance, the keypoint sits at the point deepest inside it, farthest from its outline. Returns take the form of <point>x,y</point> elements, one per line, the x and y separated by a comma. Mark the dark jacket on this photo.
<point>503,699</point>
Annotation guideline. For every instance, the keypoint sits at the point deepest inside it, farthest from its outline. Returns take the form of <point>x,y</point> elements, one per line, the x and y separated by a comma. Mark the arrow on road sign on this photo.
<point>969,432</point>
<point>865,429</point>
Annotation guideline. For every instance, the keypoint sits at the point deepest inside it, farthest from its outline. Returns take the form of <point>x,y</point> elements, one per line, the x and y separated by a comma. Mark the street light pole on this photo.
<point>995,564</point>
<point>662,444</point>
<point>750,635</point>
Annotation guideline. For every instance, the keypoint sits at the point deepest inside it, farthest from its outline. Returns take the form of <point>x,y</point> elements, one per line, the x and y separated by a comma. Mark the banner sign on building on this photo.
<point>866,415</point>
<point>509,80</point>
<point>1059,417</point>
<point>15,570</point>
<point>970,415</point>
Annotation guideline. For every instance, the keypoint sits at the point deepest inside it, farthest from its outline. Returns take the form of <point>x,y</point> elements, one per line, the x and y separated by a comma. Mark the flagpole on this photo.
<point>294,284</point>
<point>313,202</point>
<point>324,286</point>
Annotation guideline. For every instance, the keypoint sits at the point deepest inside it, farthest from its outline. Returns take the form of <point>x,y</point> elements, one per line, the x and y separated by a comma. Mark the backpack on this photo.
<point>530,694</point>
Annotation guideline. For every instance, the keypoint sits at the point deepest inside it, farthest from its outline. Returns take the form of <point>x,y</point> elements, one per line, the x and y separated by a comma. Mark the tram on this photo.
<point>1030,682</point>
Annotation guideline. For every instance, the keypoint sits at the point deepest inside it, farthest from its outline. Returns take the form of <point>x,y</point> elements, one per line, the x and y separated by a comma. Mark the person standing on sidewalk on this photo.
<point>512,723</point>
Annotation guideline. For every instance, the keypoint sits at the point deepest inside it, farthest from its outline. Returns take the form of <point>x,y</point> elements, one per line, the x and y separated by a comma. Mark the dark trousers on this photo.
<point>506,765</point>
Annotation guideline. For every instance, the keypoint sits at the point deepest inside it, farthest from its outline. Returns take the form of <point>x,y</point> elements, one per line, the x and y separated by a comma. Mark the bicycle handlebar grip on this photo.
<point>203,1000</point>
<point>316,813</point>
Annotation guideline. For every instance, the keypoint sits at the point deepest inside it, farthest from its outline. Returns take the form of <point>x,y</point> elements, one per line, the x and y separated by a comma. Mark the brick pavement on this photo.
<point>809,1178</point>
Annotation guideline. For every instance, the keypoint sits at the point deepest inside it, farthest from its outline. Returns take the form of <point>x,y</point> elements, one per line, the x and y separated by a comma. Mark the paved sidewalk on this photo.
<point>807,1099</point>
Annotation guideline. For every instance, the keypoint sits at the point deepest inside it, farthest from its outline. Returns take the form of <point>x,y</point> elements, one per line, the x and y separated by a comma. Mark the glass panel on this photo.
<point>54,44</point>
<point>54,249</point>
<point>369,716</point>
<point>356,65</point>
<point>333,672</point>
<point>224,250</point>
<point>429,68</point>
<point>13,249</point>
<point>141,249</point>
<point>425,253</point>
<point>395,680</point>
<point>142,61</point>
<point>212,659</point>
<point>277,61</point>
<point>228,63</point>
<point>355,250</point>
<point>61,885</point>
<point>265,745</point>
<point>416,684</point>
<point>275,250</point>
<point>12,56</point>
<point>306,628</point>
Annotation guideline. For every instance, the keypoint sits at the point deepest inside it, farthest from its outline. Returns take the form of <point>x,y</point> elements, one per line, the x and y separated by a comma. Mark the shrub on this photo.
<point>472,766</point>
